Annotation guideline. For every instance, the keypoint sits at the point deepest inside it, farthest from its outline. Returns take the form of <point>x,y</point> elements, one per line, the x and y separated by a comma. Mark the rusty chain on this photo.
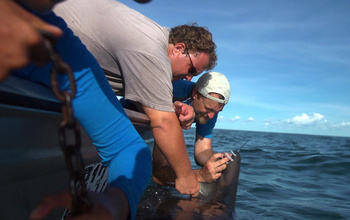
<point>68,126</point>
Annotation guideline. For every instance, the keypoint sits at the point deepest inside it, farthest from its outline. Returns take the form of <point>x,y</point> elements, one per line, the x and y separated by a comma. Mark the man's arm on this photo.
<point>212,163</point>
<point>185,113</point>
<point>168,135</point>
<point>202,150</point>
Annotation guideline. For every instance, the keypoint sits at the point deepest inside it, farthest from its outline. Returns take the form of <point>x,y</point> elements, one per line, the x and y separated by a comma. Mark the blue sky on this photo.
<point>288,62</point>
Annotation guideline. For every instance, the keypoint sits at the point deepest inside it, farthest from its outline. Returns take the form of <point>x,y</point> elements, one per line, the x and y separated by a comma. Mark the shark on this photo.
<point>224,189</point>
<point>216,200</point>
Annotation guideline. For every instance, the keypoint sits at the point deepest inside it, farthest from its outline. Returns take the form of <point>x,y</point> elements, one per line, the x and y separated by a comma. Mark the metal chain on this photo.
<point>68,126</point>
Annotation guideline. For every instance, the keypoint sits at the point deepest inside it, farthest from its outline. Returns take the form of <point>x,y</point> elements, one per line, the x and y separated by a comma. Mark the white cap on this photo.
<point>214,82</point>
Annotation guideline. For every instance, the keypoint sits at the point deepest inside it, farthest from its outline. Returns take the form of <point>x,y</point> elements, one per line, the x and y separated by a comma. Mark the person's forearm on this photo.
<point>199,175</point>
<point>202,157</point>
<point>169,137</point>
<point>203,150</point>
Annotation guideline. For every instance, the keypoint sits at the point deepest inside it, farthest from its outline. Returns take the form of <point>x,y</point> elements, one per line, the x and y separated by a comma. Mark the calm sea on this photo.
<point>288,176</point>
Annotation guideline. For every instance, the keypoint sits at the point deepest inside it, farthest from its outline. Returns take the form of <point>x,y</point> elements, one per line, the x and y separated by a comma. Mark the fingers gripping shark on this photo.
<point>216,200</point>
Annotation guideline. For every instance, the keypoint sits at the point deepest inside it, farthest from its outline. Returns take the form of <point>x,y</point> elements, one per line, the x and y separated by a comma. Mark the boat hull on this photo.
<point>31,161</point>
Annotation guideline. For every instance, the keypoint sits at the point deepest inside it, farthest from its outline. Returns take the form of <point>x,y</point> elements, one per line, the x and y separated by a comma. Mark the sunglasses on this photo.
<point>192,70</point>
<point>215,109</point>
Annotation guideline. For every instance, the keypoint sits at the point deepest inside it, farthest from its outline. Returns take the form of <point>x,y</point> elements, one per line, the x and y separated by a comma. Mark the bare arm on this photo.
<point>163,173</point>
<point>185,113</point>
<point>212,163</point>
<point>168,135</point>
<point>202,150</point>
<point>213,168</point>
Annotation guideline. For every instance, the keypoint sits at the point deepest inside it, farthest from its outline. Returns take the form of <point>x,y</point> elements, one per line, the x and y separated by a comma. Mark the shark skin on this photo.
<point>216,200</point>
<point>224,189</point>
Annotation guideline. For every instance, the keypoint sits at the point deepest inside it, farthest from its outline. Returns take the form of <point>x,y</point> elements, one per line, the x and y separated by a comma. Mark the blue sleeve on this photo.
<point>101,115</point>
<point>206,130</point>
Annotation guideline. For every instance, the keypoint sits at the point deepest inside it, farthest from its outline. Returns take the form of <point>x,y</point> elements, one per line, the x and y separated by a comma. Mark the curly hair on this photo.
<point>197,39</point>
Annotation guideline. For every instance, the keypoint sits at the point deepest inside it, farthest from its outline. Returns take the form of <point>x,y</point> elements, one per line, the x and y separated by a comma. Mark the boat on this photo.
<point>31,162</point>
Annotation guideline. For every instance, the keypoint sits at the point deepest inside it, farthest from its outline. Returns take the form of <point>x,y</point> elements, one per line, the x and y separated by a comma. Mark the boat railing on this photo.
<point>19,92</point>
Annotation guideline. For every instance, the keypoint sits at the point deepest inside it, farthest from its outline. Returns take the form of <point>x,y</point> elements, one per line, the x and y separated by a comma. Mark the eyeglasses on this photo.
<point>192,70</point>
<point>213,109</point>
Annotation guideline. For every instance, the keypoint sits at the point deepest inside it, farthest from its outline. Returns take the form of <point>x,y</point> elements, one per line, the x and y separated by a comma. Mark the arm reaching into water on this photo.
<point>212,164</point>
<point>170,148</point>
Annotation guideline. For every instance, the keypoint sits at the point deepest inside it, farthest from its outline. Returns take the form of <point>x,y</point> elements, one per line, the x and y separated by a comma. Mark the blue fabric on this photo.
<point>182,91</point>
<point>100,114</point>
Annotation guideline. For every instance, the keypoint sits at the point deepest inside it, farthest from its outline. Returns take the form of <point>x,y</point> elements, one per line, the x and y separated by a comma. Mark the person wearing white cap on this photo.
<point>207,96</point>
<point>140,58</point>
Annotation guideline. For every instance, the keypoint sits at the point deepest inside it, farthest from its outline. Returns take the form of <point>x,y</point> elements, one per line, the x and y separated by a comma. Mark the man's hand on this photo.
<point>188,184</point>
<point>213,168</point>
<point>169,138</point>
<point>185,113</point>
<point>19,37</point>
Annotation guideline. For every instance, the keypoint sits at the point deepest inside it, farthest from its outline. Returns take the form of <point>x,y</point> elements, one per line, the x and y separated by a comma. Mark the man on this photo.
<point>207,96</point>
<point>118,143</point>
<point>140,59</point>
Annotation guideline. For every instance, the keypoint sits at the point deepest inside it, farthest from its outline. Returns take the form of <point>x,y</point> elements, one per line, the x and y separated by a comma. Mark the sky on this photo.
<point>288,62</point>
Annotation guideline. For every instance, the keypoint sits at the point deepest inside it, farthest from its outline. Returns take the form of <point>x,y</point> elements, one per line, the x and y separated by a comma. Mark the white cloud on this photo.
<point>221,118</point>
<point>342,124</point>
<point>250,119</point>
<point>305,119</point>
<point>267,124</point>
<point>345,123</point>
<point>315,121</point>
<point>236,118</point>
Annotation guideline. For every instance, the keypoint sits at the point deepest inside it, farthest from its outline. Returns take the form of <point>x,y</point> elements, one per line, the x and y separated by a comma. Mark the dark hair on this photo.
<point>197,39</point>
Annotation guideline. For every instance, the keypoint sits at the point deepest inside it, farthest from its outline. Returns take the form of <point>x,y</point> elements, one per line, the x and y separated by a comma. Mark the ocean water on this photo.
<point>287,176</point>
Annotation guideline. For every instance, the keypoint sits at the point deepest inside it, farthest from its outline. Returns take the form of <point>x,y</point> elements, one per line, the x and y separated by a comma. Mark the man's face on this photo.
<point>205,108</point>
<point>183,64</point>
